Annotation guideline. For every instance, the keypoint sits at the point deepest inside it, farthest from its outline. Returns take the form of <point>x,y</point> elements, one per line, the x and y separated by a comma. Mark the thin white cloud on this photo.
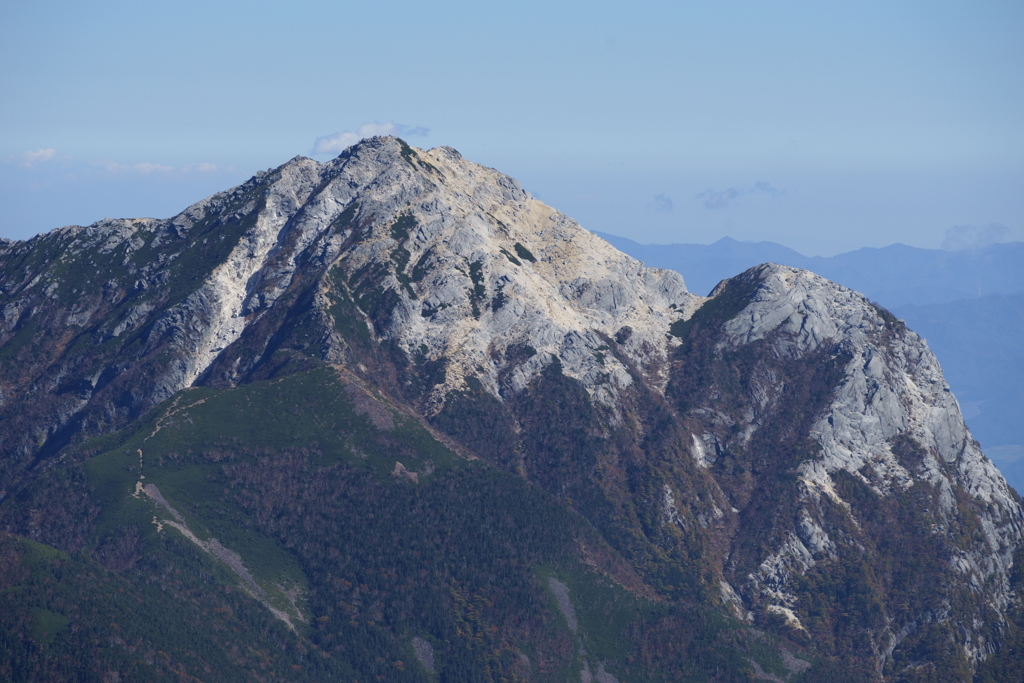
<point>335,144</point>
<point>39,155</point>
<point>339,142</point>
<point>145,168</point>
<point>718,199</point>
<point>148,168</point>
<point>962,237</point>
<point>112,166</point>
<point>206,168</point>
<point>34,157</point>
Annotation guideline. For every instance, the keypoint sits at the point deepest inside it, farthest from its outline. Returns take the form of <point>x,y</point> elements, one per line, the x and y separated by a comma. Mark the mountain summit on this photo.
<point>432,429</point>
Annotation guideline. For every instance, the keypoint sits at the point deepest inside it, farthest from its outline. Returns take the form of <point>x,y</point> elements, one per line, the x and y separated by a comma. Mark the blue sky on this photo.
<point>823,126</point>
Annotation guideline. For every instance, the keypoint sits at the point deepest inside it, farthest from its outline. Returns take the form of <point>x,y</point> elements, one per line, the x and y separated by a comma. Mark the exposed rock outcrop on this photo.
<point>888,432</point>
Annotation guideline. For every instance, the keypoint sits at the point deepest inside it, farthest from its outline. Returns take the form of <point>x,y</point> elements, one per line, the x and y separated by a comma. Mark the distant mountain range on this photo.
<point>968,305</point>
<point>893,276</point>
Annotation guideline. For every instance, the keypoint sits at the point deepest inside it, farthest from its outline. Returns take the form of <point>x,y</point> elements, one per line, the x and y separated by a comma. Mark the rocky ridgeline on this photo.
<point>476,265</point>
<point>798,436</point>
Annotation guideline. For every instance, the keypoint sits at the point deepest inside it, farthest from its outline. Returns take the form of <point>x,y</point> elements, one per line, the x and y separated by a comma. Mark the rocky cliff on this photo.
<point>847,453</point>
<point>784,453</point>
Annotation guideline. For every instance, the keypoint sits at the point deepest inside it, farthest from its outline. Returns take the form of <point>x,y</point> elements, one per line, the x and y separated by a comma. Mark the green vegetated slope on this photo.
<point>297,475</point>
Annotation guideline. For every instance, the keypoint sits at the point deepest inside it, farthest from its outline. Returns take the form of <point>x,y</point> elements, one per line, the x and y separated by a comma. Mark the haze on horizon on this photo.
<point>824,128</point>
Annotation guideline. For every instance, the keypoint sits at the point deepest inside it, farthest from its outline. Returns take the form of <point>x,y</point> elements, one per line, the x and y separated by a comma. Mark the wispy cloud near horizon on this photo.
<point>31,158</point>
<point>47,162</point>
<point>145,168</point>
<point>718,199</point>
<point>153,168</point>
<point>339,142</point>
<point>963,237</point>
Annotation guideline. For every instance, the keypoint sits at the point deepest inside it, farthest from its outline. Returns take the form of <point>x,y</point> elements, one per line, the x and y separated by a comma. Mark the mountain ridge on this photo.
<point>963,302</point>
<point>694,465</point>
<point>893,275</point>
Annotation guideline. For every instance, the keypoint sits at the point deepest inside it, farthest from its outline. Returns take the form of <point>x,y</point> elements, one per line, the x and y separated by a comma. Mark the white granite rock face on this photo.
<point>209,319</point>
<point>227,290</point>
<point>546,282</point>
<point>893,386</point>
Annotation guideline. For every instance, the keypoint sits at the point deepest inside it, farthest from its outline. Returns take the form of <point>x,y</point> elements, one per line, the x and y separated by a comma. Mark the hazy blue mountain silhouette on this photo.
<point>705,265</point>
<point>969,305</point>
<point>893,276</point>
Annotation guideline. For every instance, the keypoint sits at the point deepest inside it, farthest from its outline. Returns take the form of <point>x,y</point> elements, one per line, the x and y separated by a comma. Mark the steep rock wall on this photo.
<point>830,428</point>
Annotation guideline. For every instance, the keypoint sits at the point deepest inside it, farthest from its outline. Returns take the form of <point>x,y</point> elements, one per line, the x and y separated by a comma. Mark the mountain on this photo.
<point>391,418</point>
<point>894,276</point>
<point>705,265</point>
<point>965,303</point>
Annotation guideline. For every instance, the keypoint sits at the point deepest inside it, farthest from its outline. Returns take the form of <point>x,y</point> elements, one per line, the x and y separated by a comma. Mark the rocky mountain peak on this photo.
<point>452,262</point>
<point>474,264</point>
<point>784,450</point>
<point>479,266</point>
